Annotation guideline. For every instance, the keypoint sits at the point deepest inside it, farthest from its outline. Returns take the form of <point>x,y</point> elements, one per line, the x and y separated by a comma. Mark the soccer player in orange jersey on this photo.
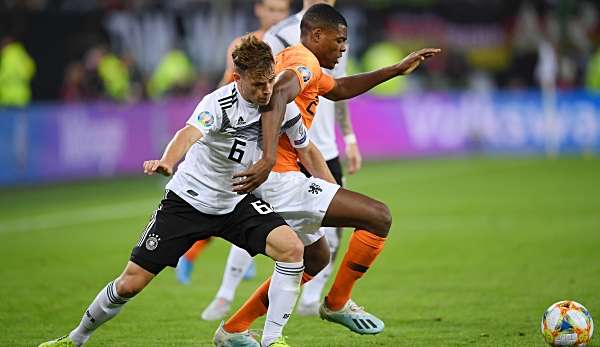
<point>301,79</point>
<point>268,13</point>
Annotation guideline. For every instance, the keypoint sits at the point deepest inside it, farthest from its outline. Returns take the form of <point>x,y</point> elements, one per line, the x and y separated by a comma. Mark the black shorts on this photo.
<point>176,225</point>
<point>334,166</point>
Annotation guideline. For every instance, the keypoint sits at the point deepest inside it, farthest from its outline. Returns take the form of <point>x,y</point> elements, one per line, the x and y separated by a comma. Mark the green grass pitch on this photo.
<point>479,248</point>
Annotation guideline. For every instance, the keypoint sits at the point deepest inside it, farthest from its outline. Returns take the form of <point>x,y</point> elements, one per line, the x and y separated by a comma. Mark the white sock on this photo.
<point>283,293</point>
<point>238,262</point>
<point>312,290</point>
<point>333,240</point>
<point>105,306</point>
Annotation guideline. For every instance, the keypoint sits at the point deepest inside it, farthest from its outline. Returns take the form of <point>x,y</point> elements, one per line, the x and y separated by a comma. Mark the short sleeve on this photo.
<point>205,117</point>
<point>304,74</point>
<point>326,84</point>
<point>305,67</point>
<point>294,127</point>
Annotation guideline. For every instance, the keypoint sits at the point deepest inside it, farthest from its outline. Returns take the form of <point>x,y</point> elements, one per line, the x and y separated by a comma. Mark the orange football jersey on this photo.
<point>313,82</point>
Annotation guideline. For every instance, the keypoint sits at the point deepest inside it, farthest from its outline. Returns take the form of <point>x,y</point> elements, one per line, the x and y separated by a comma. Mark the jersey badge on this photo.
<point>152,242</point>
<point>302,133</point>
<point>315,189</point>
<point>206,119</point>
<point>305,73</point>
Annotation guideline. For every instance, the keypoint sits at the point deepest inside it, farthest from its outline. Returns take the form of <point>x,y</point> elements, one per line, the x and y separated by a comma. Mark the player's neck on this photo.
<point>242,98</point>
<point>309,45</point>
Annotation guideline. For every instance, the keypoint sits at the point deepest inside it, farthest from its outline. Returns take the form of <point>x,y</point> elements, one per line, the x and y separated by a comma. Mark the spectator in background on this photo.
<point>527,33</point>
<point>106,75</point>
<point>115,77</point>
<point>592,75</point>
<point>16,71</point>
<point>380,55</point>
<point>73,88</point>
<point>174,75</point>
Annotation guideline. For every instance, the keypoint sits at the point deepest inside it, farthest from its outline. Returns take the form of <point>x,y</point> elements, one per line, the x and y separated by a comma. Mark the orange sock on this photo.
<point>363,248</point>
<point>196,249</point>
<point>255,307</point>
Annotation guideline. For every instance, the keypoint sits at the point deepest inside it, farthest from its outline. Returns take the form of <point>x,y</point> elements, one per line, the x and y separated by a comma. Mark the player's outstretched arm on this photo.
<point>176,149</point>
<point>312,159</point>
<point>285,91</point>
<point>351,86</point>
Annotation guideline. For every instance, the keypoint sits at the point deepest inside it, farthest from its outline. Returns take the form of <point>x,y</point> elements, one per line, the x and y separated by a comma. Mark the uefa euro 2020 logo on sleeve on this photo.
<point>206,119</point>
<point>305,73</point>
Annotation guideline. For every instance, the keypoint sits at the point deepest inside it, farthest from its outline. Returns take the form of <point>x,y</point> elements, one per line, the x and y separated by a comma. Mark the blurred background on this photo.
<point>92,87</point>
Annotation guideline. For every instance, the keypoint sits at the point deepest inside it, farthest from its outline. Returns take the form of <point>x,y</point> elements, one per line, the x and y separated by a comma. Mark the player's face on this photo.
<point>271,12</point>
<point>256,88</point>
<point>331,46</point>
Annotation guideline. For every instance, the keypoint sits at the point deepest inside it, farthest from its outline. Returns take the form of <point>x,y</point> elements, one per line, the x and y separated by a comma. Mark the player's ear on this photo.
<point>316,34</point>
<point>236,76</point>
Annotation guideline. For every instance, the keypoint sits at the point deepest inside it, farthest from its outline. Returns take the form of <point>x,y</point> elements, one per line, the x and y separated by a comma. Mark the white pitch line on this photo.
<point>78,216</point>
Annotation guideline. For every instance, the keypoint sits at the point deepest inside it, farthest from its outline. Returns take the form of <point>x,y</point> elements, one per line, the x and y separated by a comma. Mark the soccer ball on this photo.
<point>567,323</point>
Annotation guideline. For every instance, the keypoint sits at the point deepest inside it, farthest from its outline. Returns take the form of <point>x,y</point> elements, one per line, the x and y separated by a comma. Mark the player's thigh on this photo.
<point>253,224</point>
<point>171,231</point>
<point>352,209</point>
<point>301,201</point>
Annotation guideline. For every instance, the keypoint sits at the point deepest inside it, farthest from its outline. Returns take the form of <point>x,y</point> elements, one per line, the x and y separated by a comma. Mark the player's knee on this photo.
<point>383,216</point>
<point>128,287</point>
<point>292,252</point>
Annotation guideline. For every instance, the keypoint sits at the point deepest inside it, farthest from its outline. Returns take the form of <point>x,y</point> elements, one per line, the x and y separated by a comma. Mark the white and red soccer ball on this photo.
<point>567,323</point>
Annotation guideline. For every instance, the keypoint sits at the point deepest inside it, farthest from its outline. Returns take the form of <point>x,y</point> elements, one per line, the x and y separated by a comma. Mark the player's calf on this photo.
<point>284,246</point>
<point>316,257</point>
<point>133,280</point>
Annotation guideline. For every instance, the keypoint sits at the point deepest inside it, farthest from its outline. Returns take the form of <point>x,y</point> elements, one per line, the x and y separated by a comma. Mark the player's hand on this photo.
<point>247,181</point>
<point>413,60</point>
<point>353,157</point>
<point>152,166</point>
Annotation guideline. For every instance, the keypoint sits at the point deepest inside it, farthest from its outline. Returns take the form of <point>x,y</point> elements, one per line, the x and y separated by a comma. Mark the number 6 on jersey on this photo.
<point>237,150</point>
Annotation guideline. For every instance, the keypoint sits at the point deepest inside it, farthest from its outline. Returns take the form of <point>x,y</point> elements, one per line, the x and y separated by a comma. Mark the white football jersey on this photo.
<point>232,136</point>
<point>287,33</point>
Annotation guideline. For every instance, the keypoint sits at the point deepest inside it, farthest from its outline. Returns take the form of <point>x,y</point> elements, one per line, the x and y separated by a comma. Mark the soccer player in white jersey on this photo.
<point>268,13</point>
<point>282,35</point>
<point>219,140</point>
